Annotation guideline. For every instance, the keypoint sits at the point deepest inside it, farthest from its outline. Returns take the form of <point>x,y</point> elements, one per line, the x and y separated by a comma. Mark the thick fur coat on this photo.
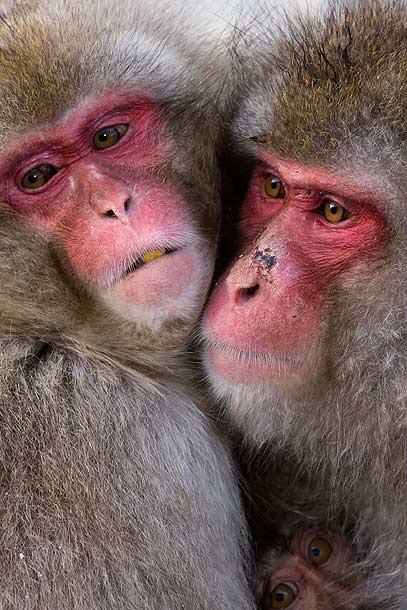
<point>331,93</point>
<point>115,491</point>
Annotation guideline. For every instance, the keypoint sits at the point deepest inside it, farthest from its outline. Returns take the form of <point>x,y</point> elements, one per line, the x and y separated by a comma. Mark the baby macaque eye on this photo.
<point>284,594</point>
<point>38,176</point>
<point>333,212</point>
<point>109,136</point>
<point>319,551</point>
<point>273,187</point>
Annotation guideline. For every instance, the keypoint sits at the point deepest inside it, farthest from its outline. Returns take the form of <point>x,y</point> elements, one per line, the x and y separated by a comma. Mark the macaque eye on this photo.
<point>284,594</point>
<point>273,187</point>
<point>319,551</point>
<point>109,136</point>
<point>38,176</point>
<point>333,212</point>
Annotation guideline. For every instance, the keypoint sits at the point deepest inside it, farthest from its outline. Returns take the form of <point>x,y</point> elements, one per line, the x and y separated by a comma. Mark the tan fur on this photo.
<point>332,93</point>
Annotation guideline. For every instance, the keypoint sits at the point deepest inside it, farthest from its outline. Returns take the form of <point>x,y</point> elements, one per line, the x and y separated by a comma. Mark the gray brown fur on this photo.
<point>115,491</point>
<point>332,93</point>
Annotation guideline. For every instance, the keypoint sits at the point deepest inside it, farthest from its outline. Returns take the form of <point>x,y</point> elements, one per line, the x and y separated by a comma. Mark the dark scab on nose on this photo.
<point>261,257</point>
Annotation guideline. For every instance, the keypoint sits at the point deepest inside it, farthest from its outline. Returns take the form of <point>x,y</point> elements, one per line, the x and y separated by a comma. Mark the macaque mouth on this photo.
<point>147,257</point>
<point>254,357</point>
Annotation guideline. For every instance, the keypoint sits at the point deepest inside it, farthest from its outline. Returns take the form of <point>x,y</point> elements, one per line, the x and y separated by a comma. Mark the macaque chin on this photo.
<point>309,575</point>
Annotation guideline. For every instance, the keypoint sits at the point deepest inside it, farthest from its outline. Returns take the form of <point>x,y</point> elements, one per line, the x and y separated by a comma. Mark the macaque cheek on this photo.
<point>270,334</point>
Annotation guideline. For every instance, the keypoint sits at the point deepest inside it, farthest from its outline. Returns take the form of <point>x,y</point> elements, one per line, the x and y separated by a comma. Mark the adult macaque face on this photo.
<point>303,230</point>
<point>88,181</point>
<point>309,576</point>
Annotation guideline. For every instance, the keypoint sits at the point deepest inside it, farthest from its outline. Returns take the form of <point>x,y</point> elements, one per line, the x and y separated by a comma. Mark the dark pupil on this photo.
<point>275,183</point>
<point>333,208</point>
<point>105,135</point>
<point>280,597</point>
<point>34,177</point>
<point>315,551</point>
<point>45,172</point>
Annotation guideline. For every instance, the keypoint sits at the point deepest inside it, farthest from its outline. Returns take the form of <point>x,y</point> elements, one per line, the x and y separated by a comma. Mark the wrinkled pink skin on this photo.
<point>102,207</point>
<point>318,586</point>
<point>265,317</point>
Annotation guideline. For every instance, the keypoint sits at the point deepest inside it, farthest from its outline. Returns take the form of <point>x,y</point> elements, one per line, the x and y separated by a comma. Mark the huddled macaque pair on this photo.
<point>116,490</point>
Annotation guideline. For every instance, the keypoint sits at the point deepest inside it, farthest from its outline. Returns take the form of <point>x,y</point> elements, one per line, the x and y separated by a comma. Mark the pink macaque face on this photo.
<point>301,229</point>
<point>310,576</point>
<point>88,181</point>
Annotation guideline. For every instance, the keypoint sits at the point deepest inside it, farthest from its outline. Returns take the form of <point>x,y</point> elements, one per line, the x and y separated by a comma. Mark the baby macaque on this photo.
<point>311,570</point>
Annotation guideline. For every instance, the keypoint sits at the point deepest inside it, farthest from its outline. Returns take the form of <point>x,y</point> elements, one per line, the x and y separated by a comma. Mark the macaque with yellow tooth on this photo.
<point>115,490</point>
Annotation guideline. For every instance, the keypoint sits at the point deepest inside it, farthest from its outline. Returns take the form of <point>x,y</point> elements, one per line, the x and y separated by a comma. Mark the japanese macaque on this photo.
<point>312,570</point>
<point>115,491</point>
<point>306,338</point>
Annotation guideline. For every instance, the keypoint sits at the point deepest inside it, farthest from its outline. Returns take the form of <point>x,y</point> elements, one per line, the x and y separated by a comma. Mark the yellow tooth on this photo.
<point>150,256</point>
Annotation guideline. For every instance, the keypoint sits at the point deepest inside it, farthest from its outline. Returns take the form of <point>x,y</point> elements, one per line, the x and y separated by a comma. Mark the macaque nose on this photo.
<point>242,282</point>
<point>244,294</point>
<point>109,197</point>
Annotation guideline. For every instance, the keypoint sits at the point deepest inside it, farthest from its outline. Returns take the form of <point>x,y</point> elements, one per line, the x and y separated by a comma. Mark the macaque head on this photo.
<point>314,573</point>
<point>107,160</point>
<point>302,230</point>
<point>303,310</point>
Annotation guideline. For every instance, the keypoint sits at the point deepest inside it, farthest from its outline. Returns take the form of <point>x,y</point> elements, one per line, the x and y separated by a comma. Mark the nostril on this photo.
<point>127,204</point>
<point>244,294</point>
<point>252,290</point>
<point>110,214</point>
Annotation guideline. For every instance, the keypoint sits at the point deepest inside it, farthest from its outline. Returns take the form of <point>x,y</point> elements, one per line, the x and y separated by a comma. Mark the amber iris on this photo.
<point>319,551</point>
<point>38,176</point>
<point>283,595</point>
<point>333,212</point>
<point>109,136</point>
<point>273,187</point>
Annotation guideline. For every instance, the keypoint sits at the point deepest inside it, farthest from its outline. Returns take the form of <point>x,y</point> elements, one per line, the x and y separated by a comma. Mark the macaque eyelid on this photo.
<point>310,537</point>
<point>19,176</point>
<point>109,120</point>
<point>116,133</point>
<point>263,171</point>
